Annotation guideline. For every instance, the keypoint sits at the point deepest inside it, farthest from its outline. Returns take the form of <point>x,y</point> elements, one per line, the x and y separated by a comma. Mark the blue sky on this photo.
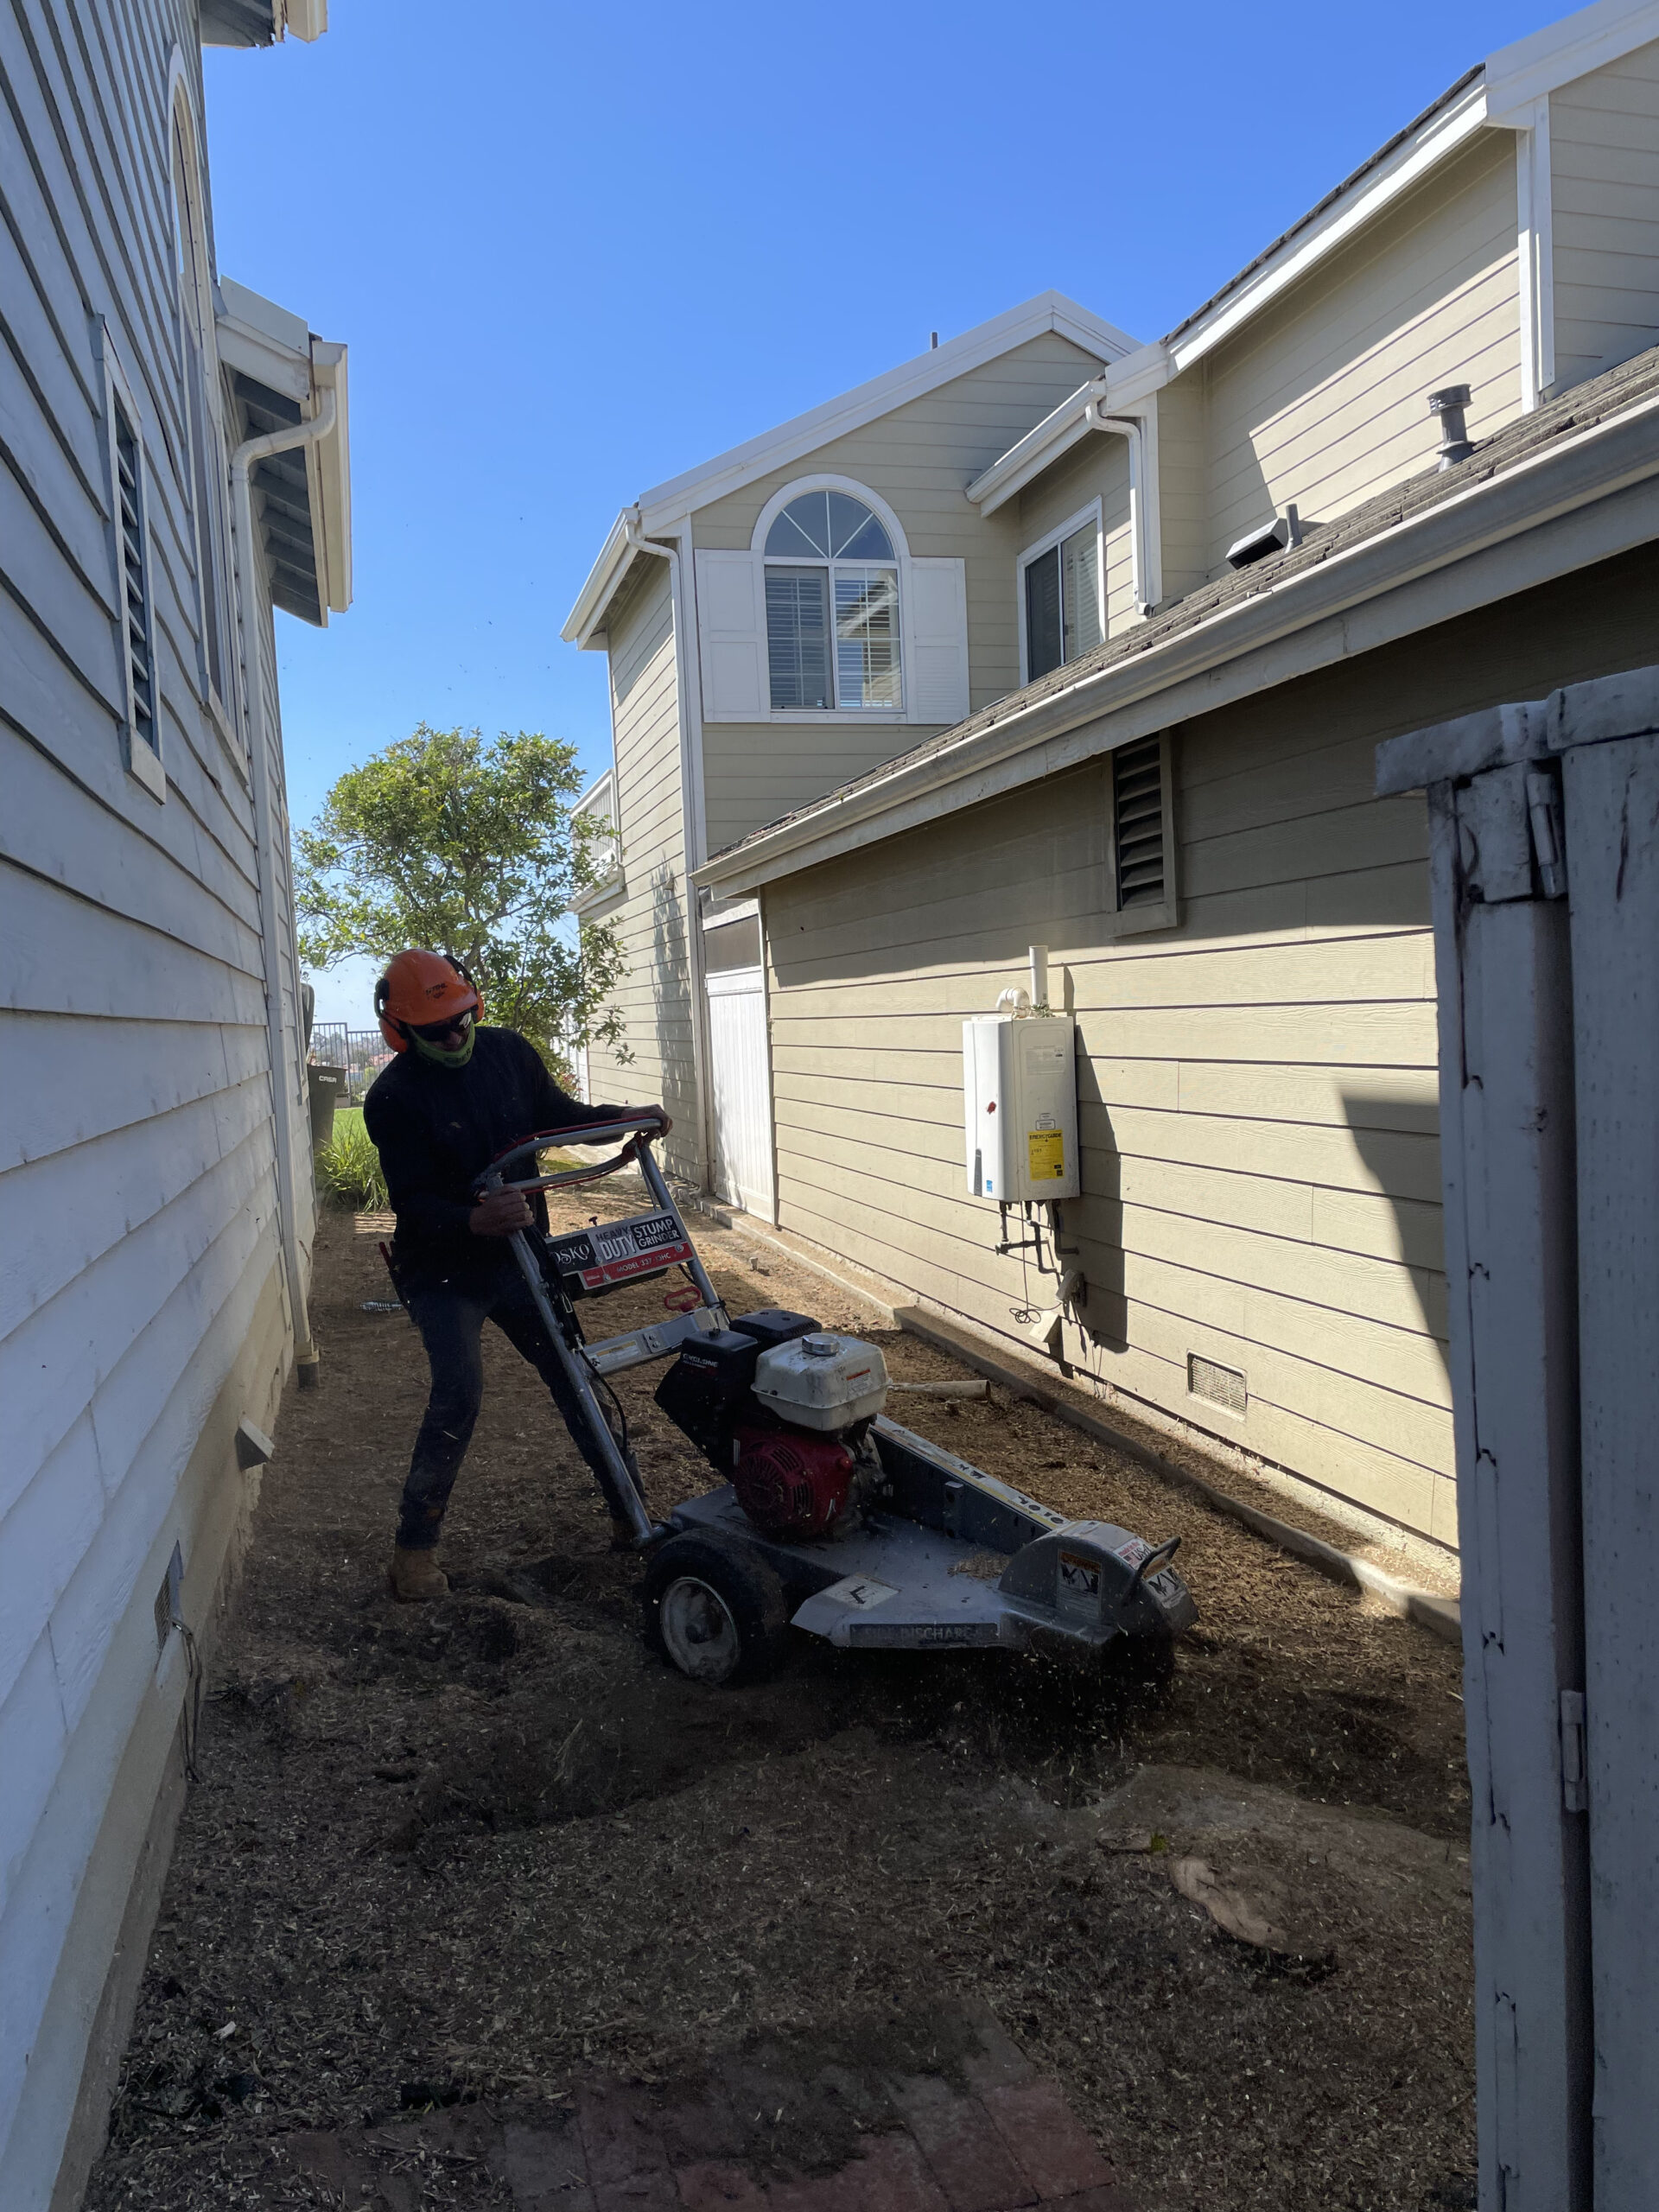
<point>576,250</point>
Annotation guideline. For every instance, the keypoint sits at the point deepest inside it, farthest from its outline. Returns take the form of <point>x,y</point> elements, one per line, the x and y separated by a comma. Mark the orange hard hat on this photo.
<point>419,987</point>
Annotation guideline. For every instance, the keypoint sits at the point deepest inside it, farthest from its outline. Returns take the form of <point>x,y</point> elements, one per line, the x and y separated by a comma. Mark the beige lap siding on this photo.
<point>1205,1225</point>
<point>1603,134</point>
<point>1323,398</point>
<point>653,997</point>
<point>1258,1088</point>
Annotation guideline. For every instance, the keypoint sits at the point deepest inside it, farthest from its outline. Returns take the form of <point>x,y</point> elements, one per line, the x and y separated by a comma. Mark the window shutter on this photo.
<point>933,642</point>
<point>732,638</point>
<point>1143,836</point>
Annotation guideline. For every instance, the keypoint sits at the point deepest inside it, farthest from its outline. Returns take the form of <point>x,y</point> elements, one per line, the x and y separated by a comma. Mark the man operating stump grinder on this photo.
<point>456,1096</point>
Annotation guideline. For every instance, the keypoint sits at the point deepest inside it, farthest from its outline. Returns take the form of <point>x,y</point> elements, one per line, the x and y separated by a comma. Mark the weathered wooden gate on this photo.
<point>1544,829</point>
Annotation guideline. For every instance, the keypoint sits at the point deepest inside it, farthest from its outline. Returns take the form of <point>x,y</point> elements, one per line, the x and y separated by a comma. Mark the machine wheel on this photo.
<point>715,1610</point>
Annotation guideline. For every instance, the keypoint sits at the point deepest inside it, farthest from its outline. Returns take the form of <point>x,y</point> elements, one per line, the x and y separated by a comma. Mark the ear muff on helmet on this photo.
<point>421,986</point>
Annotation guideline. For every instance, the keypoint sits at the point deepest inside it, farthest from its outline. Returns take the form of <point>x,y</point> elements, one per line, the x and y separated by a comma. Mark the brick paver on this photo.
<point>618,2135</point>
<point>1050,2143</point>
<point>1008,2142</point>
<point>964,2152</point>
<point>719,2185</point>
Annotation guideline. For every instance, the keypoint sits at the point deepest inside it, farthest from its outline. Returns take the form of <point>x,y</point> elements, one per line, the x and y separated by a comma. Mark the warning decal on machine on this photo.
<point>613,1251</point>
<point>859,1592</point>
<point>1078,1586</point>
<point>1046,1152</point>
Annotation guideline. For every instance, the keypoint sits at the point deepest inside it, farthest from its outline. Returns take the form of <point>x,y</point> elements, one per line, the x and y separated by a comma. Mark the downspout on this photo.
<point>1148,584</point>
<point>306,1357</point>
<point>690,774</point>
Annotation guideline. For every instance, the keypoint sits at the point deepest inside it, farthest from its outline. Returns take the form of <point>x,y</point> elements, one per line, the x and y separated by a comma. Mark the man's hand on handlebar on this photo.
<point>620,1112</point>
<point>499,1213</point>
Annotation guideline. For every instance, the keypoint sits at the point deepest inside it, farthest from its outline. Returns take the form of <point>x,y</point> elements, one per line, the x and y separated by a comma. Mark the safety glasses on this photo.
<point>433,1032</point>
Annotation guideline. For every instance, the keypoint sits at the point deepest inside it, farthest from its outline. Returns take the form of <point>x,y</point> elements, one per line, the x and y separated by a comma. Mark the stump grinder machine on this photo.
<point>829,1518</point>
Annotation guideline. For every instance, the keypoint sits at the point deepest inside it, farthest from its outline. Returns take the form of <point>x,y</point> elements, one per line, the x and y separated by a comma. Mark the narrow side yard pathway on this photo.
<point>458,1882</point>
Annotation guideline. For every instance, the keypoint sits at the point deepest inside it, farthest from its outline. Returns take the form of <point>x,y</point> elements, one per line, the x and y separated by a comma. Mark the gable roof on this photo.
<point>1498,93</point>
<point>668,503</point>
<point>1588,446</point>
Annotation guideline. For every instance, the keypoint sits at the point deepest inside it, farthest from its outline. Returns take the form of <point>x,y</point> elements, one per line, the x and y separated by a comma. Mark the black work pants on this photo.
<point>451,1322</point>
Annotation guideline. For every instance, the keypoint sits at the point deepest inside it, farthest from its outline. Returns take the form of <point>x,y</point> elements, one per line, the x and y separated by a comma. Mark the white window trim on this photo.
<point>878,506</point>
<point>143,762</point>
<point>739,910</point>
<point>1095,512</point>
<point>600,798</point>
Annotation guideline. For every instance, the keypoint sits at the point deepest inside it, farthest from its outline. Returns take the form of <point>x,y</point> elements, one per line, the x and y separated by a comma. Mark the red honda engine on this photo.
<point>791,1483</point>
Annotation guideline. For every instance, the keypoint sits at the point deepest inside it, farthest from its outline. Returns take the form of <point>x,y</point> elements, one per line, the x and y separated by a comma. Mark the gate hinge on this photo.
<point>1548,830</point>
<point>1574,1793</point>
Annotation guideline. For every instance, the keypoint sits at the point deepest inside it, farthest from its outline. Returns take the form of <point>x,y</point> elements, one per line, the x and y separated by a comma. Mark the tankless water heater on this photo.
<point>1020,1098</point>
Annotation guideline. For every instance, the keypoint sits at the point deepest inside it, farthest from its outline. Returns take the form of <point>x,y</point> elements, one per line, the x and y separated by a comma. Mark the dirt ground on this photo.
<point>490,1848</point>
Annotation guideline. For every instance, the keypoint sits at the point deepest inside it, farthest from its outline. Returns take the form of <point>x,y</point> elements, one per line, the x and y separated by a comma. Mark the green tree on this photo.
<point>441,840</point>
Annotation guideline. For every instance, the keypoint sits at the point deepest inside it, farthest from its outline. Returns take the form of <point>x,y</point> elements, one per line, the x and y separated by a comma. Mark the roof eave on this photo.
<point>1060,729</point>
<point>583,625</point>
<point>258,340</point>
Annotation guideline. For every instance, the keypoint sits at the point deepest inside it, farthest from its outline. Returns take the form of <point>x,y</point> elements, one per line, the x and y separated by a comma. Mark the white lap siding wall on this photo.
<point>142,1307</point>
<point>1258,1125</point>
<point>657,912</point>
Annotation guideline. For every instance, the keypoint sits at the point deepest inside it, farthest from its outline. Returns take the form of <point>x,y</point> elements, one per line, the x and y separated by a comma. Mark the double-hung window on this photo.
<point>832,607</point>
<point>1060,592</point>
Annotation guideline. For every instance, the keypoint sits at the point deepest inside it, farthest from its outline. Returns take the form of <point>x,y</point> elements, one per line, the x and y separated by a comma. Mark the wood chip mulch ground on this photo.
<point>462,1866</point>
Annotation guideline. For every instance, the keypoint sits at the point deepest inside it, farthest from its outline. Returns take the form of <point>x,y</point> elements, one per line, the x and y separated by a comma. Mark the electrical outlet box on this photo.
<point>1019,1106</point>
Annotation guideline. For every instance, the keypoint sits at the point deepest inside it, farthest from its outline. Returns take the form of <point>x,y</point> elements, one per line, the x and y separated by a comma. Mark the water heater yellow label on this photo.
<point>1046,1155</point>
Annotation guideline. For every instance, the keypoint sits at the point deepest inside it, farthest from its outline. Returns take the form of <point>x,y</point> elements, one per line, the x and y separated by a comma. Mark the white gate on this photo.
<point>740,1085</point>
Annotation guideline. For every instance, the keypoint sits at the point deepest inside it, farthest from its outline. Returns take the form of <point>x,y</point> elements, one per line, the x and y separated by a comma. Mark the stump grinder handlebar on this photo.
<point>617,1470</point>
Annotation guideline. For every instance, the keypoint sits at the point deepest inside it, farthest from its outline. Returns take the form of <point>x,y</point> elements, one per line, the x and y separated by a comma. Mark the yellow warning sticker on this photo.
<point>1046,1151</point>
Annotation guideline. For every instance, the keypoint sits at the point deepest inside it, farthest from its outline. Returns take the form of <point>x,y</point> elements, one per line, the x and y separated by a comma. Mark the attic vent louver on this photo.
<point>1138,823</point>
<point>134,566</point>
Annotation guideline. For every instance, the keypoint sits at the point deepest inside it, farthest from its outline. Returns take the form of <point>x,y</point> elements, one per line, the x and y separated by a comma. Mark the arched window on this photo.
<point>832,606</point>
<point>195,316</point>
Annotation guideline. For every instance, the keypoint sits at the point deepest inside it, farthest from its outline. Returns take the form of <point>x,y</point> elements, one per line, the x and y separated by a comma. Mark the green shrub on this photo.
<point>348,1166</point>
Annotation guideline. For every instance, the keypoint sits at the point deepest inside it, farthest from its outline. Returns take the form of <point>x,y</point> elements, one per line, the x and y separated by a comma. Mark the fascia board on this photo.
<point>331,457</point>
<point>1533,67</point>
<point>262,340</point>
<point>603,578</point>
<point>1034,465</point>
<point>1440,137</point>
<point>1046,442</point>
<point>1603,483</point>
<point>304,19</point>
<point>1138,378</point>
<point>670,502</point>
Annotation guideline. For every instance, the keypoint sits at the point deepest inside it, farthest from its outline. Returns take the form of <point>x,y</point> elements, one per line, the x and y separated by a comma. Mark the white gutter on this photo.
<point>1057,434</point>
<point>307,433</point>
<point>1195,671</point>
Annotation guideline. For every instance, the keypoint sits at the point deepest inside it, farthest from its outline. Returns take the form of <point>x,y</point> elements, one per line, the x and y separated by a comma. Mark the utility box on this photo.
<point>1019,1106</point>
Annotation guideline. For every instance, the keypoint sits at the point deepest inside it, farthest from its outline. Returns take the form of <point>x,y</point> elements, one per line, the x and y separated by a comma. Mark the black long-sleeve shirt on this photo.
<point>437,1129</point>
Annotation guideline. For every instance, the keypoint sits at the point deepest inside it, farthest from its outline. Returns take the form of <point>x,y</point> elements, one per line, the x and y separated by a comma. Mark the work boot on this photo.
<point>414,1577</point>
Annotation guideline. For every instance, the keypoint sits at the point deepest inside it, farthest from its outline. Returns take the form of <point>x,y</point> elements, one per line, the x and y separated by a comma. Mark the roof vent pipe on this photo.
<point>1456,444</point>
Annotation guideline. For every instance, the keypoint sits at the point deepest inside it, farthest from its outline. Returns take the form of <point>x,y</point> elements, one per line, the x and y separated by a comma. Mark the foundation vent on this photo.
<point>1218,1386</point>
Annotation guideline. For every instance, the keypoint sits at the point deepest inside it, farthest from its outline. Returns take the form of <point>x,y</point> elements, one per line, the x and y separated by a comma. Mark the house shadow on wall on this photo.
<point>1381,1123</point>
